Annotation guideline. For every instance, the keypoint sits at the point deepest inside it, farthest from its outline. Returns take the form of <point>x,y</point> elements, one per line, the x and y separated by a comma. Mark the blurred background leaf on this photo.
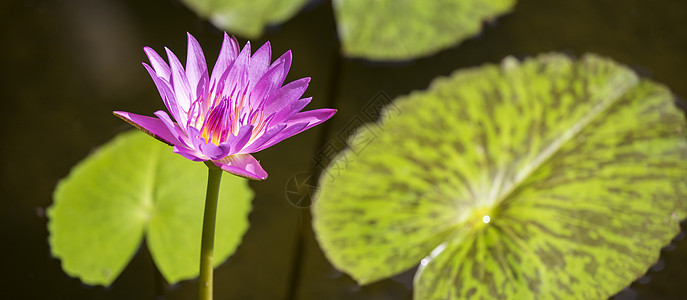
<point>247,18</point>
<point>376,30</point>
<point>401,30</point>
<point>135,186</point>
<point>550,178</point>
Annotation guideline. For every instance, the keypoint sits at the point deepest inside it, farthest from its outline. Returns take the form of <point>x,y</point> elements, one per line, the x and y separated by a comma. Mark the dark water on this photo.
<point>65,65</point>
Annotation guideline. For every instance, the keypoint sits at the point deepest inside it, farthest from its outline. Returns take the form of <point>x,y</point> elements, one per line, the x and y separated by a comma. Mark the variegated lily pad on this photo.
<point>544,179</point>
<point>400,30</point>
<point>135,186</point>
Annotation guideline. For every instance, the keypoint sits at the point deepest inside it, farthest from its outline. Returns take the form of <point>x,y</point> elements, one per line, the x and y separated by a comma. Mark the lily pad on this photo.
<point>549,178</point>
<point>246,18</point>
<point>401,30</point>
<point>135,186</point>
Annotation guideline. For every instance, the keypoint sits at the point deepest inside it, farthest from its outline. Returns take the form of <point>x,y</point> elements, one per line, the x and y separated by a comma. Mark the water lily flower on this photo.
<point>241,108</point>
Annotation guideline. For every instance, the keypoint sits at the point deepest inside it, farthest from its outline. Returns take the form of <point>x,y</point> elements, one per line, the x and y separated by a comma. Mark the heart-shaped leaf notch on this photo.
<point>135,186</point>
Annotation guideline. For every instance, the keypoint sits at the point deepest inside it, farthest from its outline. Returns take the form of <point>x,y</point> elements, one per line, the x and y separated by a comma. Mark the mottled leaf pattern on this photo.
<point>136,186</point>
<point>400,30</point>
<point>546,179</point>
<point>246,18</point>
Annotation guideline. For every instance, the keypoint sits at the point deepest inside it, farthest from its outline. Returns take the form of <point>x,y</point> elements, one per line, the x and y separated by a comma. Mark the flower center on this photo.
<point>224,117</point>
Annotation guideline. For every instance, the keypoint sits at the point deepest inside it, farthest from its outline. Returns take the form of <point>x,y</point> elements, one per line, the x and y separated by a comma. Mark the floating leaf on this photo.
<point>133,186</point>
<point>399,30</point>
<point>546,179</point>
<point>247,18</point>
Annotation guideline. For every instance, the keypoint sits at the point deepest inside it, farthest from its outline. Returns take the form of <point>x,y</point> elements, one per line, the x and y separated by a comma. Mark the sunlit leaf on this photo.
<point>246,18</point>
<point>135,186</point>
<point>546,179</point>
<point>399,30</point>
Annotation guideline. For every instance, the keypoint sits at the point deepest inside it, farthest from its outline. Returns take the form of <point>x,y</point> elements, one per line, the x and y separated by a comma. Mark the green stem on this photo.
<point>208,239</point>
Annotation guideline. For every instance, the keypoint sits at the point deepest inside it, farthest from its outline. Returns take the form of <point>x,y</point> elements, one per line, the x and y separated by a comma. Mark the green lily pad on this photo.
<point>401,30</point>
<point>543,179</point>
<point>246,18</point>
<point>135,186</point>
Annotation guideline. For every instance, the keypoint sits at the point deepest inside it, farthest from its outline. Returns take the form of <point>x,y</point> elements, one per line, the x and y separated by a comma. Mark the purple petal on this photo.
<point>259,63</point>
<point>227,54</point>
<point>286,60</point>
<point>196,68</point>
<point>173,128</point>
<point>196,141</point>
<point>239,140</point>
<point>214,151</point>
<point>167,95</point>
<point>263,138</point>
<point>313,117</point>
<point>286,95</point>
<point>299,123</point>
<point>287,132</point>
<point>188,153</point>
<point>159,65</point>
<point>244,165</point>
<point>182,89</point>
<point>235,75</point>
<point>267,84</point>
<point>289,111</point>
<point>152,126</point>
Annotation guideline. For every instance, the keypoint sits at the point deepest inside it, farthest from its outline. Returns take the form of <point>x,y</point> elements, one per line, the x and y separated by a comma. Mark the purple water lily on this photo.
<point>240,109</point>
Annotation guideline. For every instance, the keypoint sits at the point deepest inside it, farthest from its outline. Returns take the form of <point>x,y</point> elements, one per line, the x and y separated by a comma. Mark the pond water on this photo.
<point>66,65</point>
